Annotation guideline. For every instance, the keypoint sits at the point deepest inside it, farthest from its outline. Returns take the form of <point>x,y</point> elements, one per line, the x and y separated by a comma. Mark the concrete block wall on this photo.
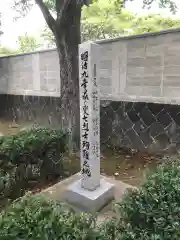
<point>136,73</point>
<point>143,68</point>
<point>35,74</point>
<point>146,127</point>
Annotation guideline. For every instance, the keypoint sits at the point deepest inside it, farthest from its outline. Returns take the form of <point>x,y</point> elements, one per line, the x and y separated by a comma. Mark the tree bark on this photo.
<point>67,37</point>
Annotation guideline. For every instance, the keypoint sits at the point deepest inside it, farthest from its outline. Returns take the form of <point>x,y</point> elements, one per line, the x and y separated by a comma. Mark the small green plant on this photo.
<point>153,211</point>
<point>34,217</point>
<point>28,158</point>
<point>109,229</point>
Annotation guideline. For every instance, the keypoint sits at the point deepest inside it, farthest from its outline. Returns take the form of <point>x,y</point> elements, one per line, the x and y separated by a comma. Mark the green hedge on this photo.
<point>34,217</point>
<point>150,213</point>
<point>153,211</point>
<point>28,158</point>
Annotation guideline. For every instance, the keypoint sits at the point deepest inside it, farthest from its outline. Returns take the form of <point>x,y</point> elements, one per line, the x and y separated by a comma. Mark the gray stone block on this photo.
<point>90,201</point>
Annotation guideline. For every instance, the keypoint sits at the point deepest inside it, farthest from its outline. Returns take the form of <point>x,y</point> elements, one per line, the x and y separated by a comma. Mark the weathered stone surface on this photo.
<point>127,124</point>
<point>147,127</point>
<point>90,201</point>
<point>134,68</point>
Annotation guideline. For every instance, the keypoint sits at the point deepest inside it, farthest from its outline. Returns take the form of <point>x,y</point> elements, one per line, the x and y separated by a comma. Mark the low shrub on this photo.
<point>153,211</point>
<point>34,217</point>
<point>28,158</point>
<point>109,229</point>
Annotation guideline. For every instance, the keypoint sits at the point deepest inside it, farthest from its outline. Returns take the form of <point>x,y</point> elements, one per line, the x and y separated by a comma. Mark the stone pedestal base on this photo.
<point>90,201</point>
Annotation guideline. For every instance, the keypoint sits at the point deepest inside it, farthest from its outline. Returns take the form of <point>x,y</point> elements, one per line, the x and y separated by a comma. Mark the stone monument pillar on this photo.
<point>89,115</point>
<point>91,192</point>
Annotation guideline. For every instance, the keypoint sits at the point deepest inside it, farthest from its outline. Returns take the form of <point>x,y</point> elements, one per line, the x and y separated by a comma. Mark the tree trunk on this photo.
<point>67,40</point>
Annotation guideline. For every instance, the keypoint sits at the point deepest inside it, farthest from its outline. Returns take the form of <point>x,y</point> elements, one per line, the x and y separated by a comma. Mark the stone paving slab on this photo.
<point>56,192</point>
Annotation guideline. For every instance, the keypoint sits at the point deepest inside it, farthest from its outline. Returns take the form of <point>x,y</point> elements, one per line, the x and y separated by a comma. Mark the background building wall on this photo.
<point>135,68</point>
<point>139,87</point>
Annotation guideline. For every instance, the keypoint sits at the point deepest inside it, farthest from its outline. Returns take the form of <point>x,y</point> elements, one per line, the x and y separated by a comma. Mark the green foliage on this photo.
<point>7,51</point>
<point>106,18</point>
<point>150,213</point>
<point>48,37</point>
<point>30,145</point>
<point>110,229</point>
<point>28,158</point>
<point>153,23</point>
<point>27,43</point>
<point>170,4</point>
<point>103,20</point>
<point>34,217</point>
<point>153,211</point>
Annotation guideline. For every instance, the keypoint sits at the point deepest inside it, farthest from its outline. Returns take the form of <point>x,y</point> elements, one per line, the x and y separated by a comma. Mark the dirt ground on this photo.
<point>125,166</point>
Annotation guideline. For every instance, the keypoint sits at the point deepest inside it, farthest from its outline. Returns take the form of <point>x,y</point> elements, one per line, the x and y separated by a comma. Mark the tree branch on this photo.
<point>47,15</point>
<point>62,5</point>
<point>61,8</point>
<point>58,5</point>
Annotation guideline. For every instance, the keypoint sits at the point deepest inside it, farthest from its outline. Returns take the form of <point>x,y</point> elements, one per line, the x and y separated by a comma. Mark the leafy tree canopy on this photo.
<point>102,20</point>
<point>63,19</point>
<point>7,51</point>
<point>27,43</point>
<point>170,4</point>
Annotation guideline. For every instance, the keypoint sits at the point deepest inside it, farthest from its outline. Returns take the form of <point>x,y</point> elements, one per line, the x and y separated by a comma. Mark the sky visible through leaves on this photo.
<point>31,26</point>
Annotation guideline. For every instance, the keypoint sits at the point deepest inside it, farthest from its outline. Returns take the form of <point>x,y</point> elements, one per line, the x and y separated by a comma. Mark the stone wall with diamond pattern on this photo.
<point>147,127</point>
